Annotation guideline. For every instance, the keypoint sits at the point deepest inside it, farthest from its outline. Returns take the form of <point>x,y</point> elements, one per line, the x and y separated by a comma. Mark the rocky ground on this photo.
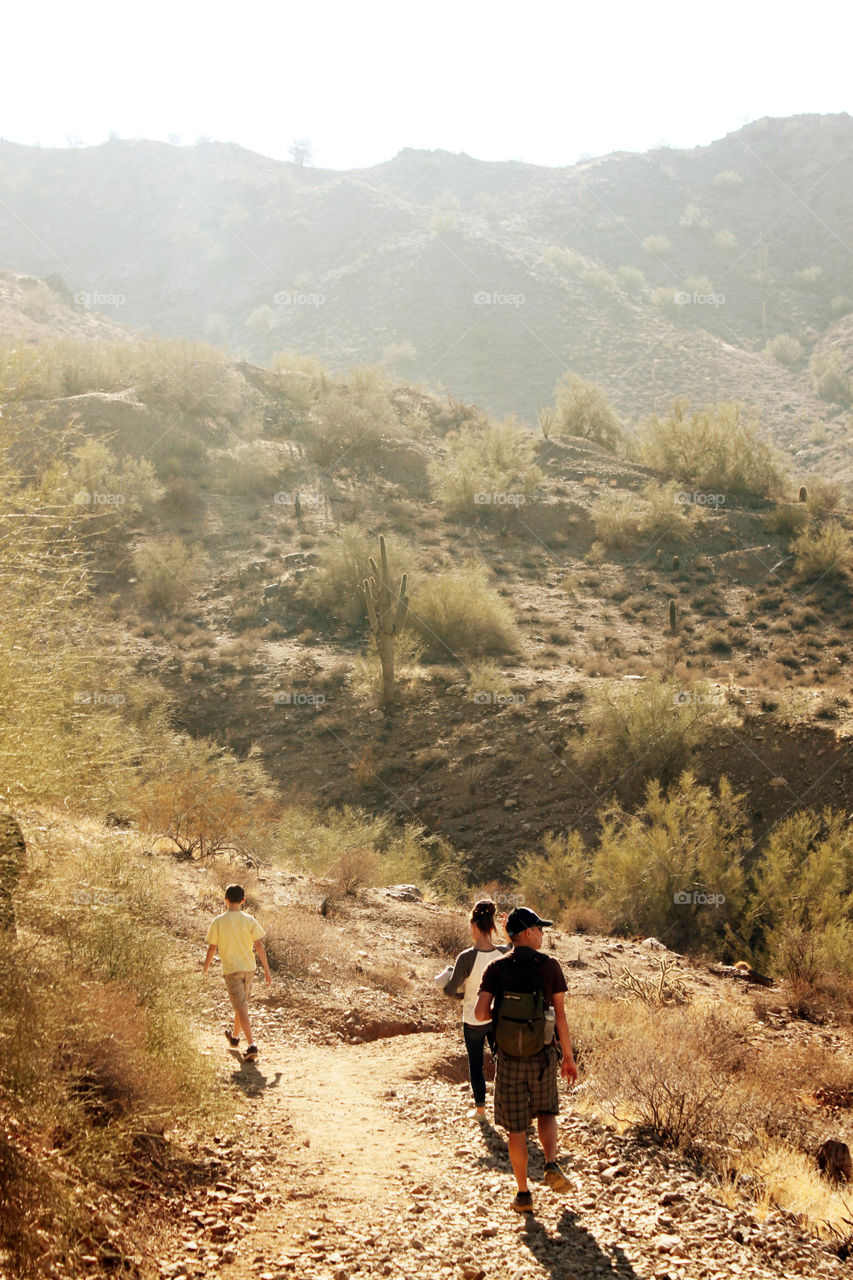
<point>357,1153</point>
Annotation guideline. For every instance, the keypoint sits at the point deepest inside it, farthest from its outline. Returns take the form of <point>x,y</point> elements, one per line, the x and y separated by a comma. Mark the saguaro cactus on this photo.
<point>386,612</point>
<point>673,617</point>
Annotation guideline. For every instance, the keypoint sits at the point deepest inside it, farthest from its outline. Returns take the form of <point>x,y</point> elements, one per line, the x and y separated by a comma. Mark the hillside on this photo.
<point>656,275</point>
<point>622,694</point>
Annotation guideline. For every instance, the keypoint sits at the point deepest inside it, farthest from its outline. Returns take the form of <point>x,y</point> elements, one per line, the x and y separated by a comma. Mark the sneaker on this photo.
<point>232,1040</point>
<point>555,1178</point>
<point>523,1202</point>
<point>251,1053</point>
<point>480,1114</point>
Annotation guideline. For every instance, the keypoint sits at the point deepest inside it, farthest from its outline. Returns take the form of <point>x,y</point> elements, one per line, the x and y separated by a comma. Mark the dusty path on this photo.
<point>359,1160</point>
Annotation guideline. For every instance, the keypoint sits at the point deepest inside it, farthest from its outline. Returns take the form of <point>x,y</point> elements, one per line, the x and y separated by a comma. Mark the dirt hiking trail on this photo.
<point>357,1160</point>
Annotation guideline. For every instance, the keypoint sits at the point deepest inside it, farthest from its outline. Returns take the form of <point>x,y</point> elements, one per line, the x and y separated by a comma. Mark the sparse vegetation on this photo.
<point>581,409</point>
<point>458,615</point>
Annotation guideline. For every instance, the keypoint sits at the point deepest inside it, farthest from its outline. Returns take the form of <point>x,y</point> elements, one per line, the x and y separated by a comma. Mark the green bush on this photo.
<point>626,520</point>
<point>487,473</point>
<point>803,896</point>
<point>674,868</point>
<point>458,615</point>
<point>557,878</point>
<point>830,378</point>
<point>350,420</point>
<point>168,572</point>
<point>715,450</point>
<point>784,348</point>
<point>650,729</point>
<point>582,410</point>
<point>823,551</point>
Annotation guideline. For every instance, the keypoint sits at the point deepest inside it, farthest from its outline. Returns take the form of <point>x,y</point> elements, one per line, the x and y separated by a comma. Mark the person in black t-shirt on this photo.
<point>527,1087</point>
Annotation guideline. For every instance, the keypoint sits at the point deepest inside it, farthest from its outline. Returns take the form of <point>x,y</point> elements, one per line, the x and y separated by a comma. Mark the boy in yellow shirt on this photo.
<point>238,936</point>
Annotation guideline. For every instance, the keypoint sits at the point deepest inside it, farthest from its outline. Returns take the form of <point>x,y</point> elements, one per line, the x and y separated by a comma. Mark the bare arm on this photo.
<point>261,950</point>
<point>211,952</point>
<point>568,1067</point>
<point>483,1007</point>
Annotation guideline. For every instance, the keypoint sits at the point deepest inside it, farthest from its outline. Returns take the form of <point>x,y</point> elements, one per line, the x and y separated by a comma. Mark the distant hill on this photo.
<point>656,275</point>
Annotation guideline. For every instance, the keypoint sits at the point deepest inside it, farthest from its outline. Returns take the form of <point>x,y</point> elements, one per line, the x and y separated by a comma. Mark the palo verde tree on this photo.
<point>386,612</point>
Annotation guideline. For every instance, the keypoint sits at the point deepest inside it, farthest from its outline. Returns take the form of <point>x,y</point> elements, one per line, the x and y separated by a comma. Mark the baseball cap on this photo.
<point>522,918</point>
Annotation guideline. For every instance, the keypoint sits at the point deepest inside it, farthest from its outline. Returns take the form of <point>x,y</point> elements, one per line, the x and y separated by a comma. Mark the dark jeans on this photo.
<point>475,1043</point>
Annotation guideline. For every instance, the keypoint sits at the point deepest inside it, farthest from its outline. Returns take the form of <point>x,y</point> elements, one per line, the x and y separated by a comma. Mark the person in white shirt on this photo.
<point>464,984</point>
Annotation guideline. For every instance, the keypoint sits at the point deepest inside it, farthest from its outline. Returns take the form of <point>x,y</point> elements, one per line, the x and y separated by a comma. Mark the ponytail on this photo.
<point>483,915</point>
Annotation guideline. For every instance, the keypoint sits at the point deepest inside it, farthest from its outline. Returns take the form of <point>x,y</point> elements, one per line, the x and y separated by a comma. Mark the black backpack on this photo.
<point>520,1026</point>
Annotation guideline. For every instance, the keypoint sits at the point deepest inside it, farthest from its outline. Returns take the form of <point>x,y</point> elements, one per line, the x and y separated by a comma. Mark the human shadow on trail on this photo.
<point>248,1078</point>
<point>572,1249</point>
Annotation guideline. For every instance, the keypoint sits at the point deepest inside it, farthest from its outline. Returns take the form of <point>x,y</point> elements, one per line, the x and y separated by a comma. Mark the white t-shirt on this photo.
<point>471,989</point>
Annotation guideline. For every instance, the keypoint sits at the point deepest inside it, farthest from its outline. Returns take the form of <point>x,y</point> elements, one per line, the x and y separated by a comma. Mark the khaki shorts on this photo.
<point>239,987</point>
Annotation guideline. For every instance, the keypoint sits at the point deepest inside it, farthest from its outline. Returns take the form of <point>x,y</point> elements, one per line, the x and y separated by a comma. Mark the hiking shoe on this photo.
<point>480,1114</point>
<point>523,1202</point>
<point>251,1053</point>
<point>555,1178</point>
<point>232,1040</point>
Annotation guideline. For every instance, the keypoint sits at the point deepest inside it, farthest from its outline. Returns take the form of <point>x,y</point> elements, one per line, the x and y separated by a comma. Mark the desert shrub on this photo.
<point>300,942</point>
<point>95,1048</point>
<point>333,590</point>
<point>556,880</point>
<point>830,378</point>
<point>714,449</point>
<point>62,685</point>
<point>725,240</point>
<point>674,868</point>
<point>103,487</point>
<point>350,420</point>
<point>366,677</point>
<point>786,518</point>
<point>487,472</point>
<point>631,279</point>
<point>785,349</point>
<point>458,615</point>
<point>657,246</point>
<point>168,572</point>
<point>648,729</point>
<point>253,468</point>
<point>314,842</point>
<point>823,552</point>
<point>727,180</point>
<point>803,896</point>
<point>203,798</point>
<point>625,520</point>
<point>582,410</point>
<point>485,681</point>
<point>823,496</point>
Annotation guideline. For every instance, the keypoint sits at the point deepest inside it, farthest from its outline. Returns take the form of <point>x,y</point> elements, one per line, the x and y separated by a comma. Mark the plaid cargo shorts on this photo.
<point>524,1088</point>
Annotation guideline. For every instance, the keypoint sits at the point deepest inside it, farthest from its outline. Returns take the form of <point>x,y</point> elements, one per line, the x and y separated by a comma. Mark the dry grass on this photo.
<point>94,1043</point>
<point>693,1079</point>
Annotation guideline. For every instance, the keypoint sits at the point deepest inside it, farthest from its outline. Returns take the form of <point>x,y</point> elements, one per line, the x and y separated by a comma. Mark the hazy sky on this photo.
<point>545,81</point>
